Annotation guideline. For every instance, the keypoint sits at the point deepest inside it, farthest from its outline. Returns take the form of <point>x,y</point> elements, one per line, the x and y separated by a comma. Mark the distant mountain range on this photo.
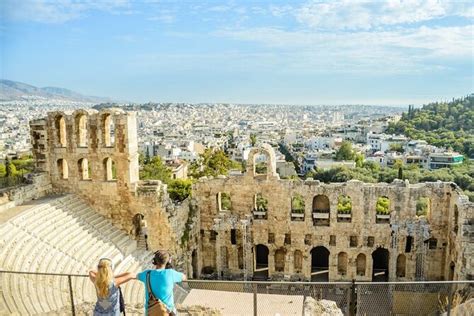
<point>16,91</point>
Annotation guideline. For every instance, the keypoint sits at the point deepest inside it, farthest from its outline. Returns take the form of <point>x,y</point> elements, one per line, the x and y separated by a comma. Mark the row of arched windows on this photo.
<point>81,132</point>
<point>84,169</point>
<point>320,262</point>
<point>321,207</point>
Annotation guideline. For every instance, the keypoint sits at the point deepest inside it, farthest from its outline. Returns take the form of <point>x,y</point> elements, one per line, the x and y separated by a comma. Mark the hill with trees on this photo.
<point>445,124</point>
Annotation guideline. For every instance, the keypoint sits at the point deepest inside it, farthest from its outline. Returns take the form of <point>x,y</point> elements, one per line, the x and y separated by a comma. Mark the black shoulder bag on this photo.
<point>121,302</point>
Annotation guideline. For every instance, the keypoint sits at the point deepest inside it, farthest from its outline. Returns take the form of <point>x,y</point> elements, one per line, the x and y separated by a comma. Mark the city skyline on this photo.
<point>309,52</point>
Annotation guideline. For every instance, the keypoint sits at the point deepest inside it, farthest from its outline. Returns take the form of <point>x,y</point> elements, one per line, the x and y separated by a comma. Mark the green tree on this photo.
<point>359,160</point>
<point>155,169</point>
<point>397,147</point>
<point>383,206</point>
<point>211,163</point>
<point>297,204</point>
<point>253,140</point>
<point>344,204</point>
<point>345,152</point>
<point>261,203</point>
<point>179,189</point>
<point>3,170</point>
<point>10,169</point>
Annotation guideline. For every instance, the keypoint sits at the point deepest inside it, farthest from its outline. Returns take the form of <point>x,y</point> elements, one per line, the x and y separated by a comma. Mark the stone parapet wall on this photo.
<point>37,186</point>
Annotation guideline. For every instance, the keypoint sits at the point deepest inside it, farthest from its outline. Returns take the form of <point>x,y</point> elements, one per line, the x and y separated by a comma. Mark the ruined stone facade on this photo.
<point>94,154</point>
<point>322,240</point>
<point>256,225</point>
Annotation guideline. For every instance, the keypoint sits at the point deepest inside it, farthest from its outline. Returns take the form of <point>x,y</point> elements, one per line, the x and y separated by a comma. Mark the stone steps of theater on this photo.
<point>62,235</point>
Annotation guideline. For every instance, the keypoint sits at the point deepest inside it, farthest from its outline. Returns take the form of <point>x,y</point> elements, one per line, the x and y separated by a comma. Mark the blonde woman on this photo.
<point>106,285</point>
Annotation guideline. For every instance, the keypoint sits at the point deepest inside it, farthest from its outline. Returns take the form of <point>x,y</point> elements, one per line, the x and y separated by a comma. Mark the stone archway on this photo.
<point>320,264</point>
<point>261,262</point>
<point>452,268</point>
<point>380,263</point>
<point>194,264</point>
<point>137,224</point>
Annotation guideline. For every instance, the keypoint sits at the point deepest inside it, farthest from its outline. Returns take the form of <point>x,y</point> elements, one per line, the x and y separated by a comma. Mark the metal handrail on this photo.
<point>268,282</point>
<point>350,308</point>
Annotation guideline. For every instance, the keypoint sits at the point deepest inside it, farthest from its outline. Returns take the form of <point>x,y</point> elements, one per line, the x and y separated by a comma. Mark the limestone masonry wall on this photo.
<point>321,243</point>
<point>95,155</point>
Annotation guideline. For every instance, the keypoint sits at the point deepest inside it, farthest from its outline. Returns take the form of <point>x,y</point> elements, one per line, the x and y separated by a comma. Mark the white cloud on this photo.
<point>366,15</point>
<point>58,11</point>
<point>397,51</point>
<point>163,18</point>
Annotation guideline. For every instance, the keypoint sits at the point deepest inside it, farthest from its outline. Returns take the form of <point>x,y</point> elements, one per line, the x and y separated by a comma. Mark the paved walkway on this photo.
<point>235,303</point>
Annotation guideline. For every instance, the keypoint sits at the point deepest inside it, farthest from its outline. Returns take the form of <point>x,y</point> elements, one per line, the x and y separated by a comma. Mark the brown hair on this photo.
<point>161,258</point>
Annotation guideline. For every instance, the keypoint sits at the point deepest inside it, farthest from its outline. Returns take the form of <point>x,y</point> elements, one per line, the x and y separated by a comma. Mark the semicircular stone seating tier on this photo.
<point>62,234</point>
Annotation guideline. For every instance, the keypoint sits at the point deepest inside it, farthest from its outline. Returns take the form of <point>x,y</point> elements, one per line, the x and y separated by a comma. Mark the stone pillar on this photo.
<point>393,254</point>
<point>247,245</point>
<point>218,245</point>
<point>39,142</point>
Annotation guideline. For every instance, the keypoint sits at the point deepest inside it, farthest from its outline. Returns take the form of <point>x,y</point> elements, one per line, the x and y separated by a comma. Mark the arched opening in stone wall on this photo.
<point>63,169</point>
<point>297,208</point>
<point>401,266</point>
<point>137,224</point>
<point>260,164</point>
<point>321,210</point>
<point>60,125</point>
<point>452,268</point>
<point>320,264</point>
<point>223,201</point>
<point>360,264</point>
<point>456,219</point>
<point>83,169</point>
<point>110,170</point>
<point>344,208</point>
<point>81,130</point>
<point>108,130</point>
<point>208,257</point>
<point>380,262</point>
<point>260,206</point>
<point>261,261</point>
<point>382,210</point>
<point>240,257</point>
<point>298,261</point>
<point>423,206</point>
<point>194,264</point>
<point>342,263</point>
<point>280,260</point>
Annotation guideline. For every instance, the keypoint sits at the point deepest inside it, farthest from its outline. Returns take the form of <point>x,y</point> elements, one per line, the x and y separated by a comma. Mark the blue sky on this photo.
<point>295,52</point>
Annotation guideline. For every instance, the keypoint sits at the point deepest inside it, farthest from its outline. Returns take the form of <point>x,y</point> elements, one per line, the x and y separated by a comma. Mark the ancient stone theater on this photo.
<point>256,225</point>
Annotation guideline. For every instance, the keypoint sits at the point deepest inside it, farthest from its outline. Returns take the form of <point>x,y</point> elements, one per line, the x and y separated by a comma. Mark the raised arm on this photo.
<point>124,277</point>
<point>92,275</point>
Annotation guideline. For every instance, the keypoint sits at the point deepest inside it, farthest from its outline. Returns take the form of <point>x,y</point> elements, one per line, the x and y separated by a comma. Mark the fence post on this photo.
<point>255,299</point>
<point>352,299</point>
<point>450,299</point>
<point>73,309</point>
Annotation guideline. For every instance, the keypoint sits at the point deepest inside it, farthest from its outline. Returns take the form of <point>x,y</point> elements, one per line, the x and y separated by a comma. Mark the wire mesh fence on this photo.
<point>52,294</point>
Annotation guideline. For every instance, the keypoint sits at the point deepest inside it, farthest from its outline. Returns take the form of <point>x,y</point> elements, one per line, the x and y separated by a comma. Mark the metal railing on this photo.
<point>74,294</point>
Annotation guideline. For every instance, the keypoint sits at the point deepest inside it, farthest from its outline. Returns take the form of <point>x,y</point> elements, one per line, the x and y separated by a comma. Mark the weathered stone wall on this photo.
<point>427,254</point>
<point>109,180</point>
<point>38,185</point>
